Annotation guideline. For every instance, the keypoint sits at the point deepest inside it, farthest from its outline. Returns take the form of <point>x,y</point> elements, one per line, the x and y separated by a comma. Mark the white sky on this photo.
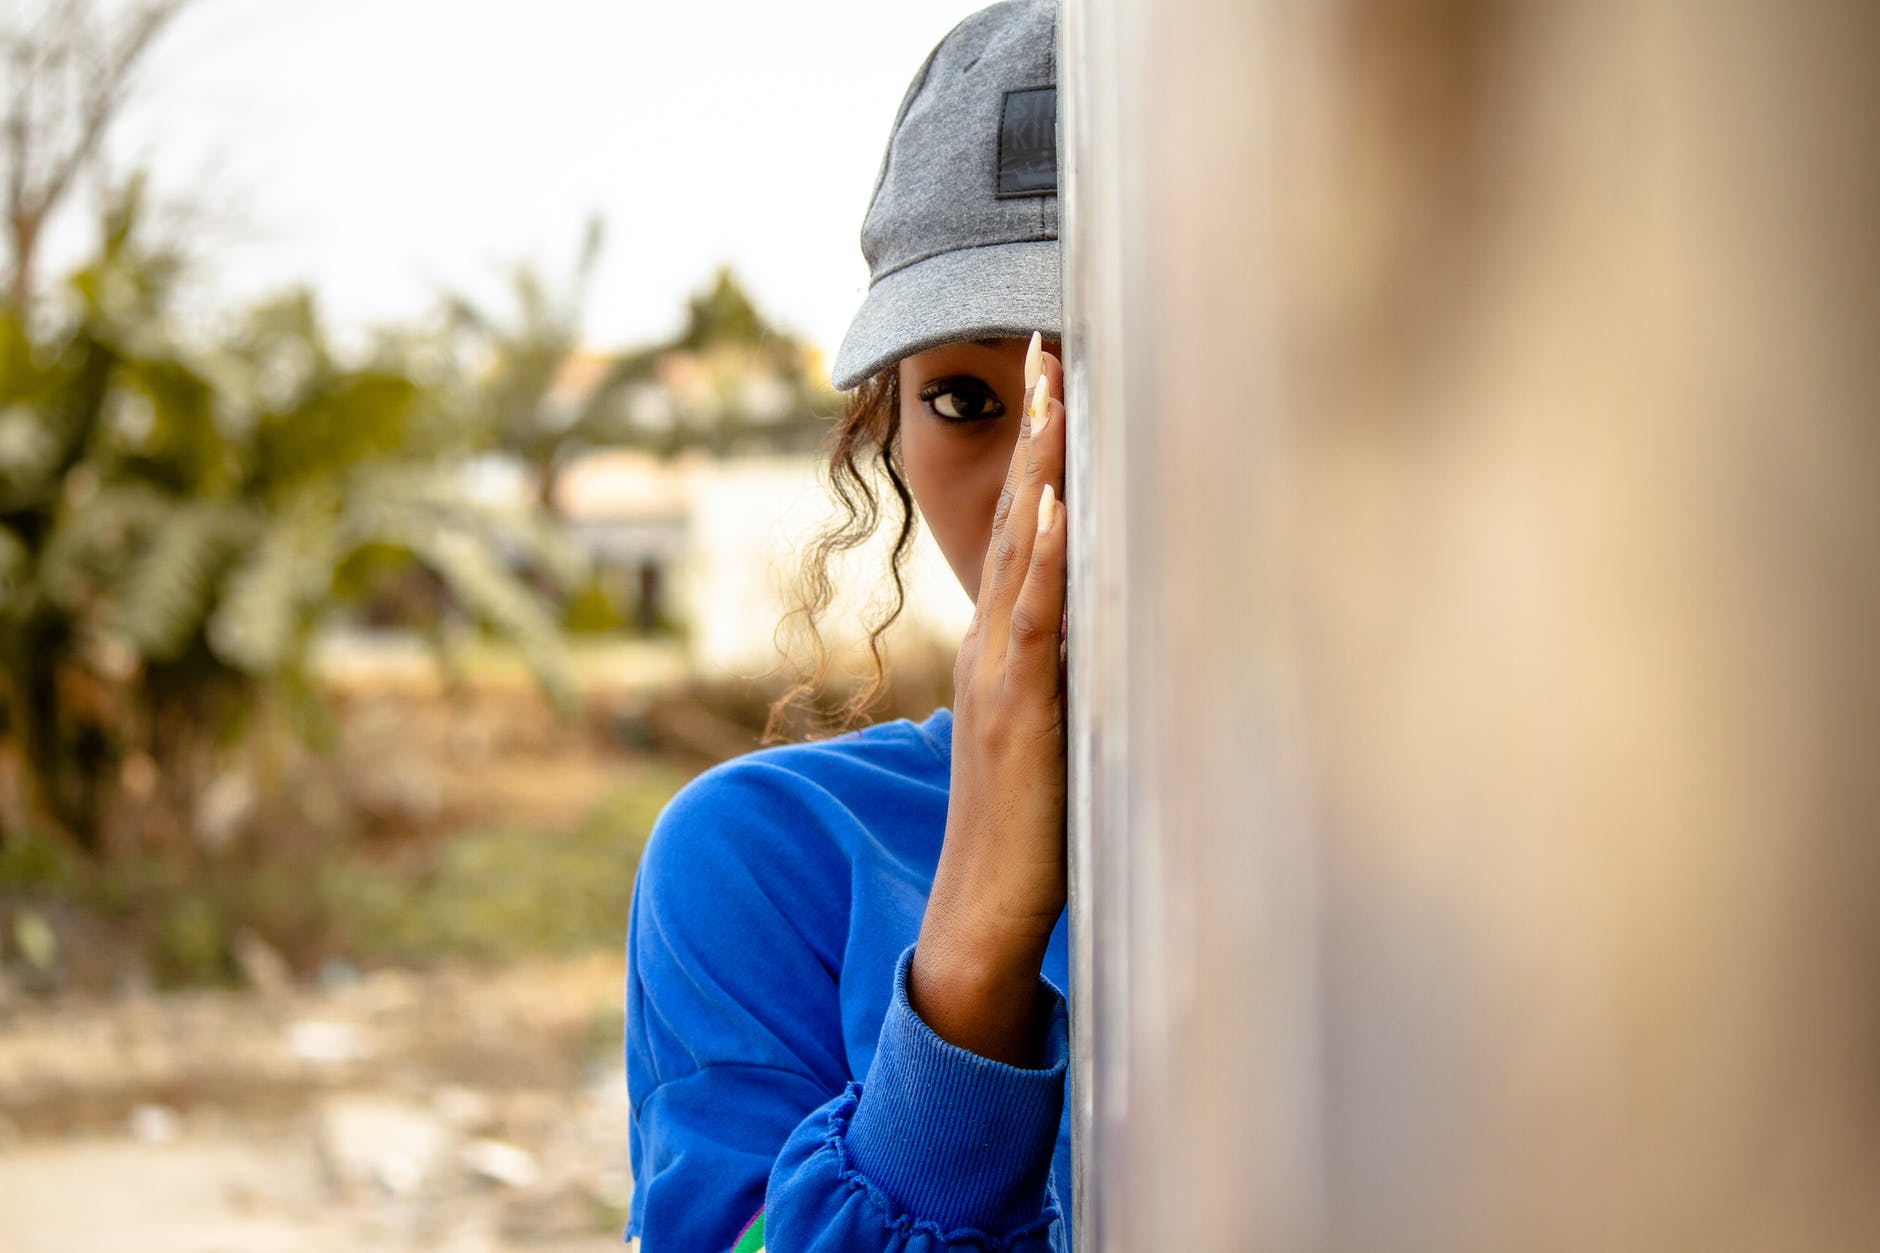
<point>381,149</point>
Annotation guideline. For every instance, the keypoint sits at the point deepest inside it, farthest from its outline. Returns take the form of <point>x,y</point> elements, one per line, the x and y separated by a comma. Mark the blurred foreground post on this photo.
<point>1477,797</point>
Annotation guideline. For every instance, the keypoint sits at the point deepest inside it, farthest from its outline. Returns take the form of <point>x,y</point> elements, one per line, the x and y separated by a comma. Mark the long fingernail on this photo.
<point>1034,360</point>
<point>1046,509</point>
<point>1040,406</point>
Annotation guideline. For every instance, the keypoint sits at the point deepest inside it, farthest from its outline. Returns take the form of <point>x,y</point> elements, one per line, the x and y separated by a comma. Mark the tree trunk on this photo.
<point>25,229</point>
<point>33,722</point>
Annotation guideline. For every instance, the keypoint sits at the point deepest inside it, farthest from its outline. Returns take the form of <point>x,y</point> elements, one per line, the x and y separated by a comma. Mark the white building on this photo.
<point>718,543</point>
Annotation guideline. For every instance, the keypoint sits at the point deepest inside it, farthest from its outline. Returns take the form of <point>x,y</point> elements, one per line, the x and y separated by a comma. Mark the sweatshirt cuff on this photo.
<point>954,1138</point>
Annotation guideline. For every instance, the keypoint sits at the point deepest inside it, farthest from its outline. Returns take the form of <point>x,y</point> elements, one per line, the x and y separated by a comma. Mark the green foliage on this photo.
<point>592,611</point>
<point>506,892</point>
<point>123,293</point>
<point>32,860</point>
<point>192,943</point>
<point>523,354</point>
<point>728,380</point>
<point>260,623</point>
<point>166,429</point>
<point>346,421</point>
<point>492,894</point>
<point>16,563</point>
<point>723,314</point>
<point>165,594</point>
<point>180,519</point>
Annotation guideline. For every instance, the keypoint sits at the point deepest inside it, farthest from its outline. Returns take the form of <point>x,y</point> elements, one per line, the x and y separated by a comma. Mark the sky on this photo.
<point>382,150</point>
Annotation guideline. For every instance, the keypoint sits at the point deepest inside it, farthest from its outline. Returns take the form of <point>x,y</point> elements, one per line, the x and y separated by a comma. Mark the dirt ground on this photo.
<point>451,1110</point>
<point>326,1105</point>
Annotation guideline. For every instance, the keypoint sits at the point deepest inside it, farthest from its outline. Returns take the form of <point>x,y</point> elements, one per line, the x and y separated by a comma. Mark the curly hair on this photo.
<point>864,449</point>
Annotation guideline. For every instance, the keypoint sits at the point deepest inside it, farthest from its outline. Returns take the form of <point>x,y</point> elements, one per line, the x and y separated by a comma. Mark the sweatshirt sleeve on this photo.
<point>741,1100</point>
<point>938,1148</point>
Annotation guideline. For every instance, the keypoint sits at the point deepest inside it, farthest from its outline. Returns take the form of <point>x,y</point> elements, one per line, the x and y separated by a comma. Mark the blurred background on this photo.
<point>409,416</point>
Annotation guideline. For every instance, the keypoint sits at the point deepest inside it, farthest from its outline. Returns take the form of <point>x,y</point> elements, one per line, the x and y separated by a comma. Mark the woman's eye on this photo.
<point>961,400</point>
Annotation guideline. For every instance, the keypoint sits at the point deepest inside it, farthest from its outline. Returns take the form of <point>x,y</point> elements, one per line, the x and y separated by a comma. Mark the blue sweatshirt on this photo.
<point>773,1061</point>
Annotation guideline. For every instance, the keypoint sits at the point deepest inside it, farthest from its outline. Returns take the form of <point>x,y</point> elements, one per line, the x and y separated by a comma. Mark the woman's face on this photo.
<point>961,405</point>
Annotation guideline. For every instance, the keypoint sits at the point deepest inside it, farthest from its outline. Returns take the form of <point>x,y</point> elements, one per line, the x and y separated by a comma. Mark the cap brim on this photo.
<point>998,290</point>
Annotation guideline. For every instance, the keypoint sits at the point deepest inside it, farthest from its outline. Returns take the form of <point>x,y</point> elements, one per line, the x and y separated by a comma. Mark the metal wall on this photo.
<point>1476,493</point>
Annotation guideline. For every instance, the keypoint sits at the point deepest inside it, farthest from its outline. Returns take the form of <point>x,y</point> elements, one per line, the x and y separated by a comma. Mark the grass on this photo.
<point>486,894</point>
<point>506,892</point>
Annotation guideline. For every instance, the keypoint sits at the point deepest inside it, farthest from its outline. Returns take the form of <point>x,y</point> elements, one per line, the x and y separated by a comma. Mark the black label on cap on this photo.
<point>1028,142</point>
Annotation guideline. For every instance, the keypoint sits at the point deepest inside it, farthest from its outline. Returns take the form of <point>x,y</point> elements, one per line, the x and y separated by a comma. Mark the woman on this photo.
<point>844,1023</point>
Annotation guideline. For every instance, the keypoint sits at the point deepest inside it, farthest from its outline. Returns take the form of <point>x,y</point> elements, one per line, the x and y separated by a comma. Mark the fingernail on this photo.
<point>1047,509</point>
<point>1034,360</point>
<point>1040,405</point>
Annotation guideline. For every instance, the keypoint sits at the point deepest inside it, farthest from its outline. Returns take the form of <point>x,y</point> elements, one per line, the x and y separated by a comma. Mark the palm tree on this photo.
<point>519,394</point>
<point>728,379</point>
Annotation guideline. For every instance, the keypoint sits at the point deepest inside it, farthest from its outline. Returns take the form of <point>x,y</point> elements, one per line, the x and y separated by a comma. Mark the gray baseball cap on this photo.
<point>962,235</point>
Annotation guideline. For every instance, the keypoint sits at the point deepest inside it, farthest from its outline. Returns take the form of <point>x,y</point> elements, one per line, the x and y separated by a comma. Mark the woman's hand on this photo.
<point>1000,885</point>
